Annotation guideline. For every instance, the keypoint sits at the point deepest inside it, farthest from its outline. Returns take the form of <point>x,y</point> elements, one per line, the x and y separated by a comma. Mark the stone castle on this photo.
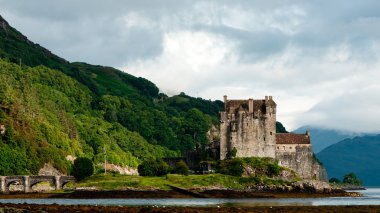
<point>248,129</point>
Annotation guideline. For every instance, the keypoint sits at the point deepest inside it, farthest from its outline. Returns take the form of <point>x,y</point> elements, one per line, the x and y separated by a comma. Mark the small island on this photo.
<point>251,155</point>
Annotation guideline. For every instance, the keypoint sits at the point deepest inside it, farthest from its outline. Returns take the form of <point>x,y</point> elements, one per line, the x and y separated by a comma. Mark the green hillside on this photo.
<point>100,80</point>
<point>360,155</point>
<point>52,108</point>
<point>48,115</point>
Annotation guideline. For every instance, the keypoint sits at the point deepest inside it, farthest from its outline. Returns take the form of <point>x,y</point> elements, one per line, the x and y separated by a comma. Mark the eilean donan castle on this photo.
<point>248,129</point>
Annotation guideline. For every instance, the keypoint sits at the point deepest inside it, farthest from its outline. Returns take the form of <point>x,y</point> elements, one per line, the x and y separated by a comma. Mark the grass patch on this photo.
<point>119,182</point>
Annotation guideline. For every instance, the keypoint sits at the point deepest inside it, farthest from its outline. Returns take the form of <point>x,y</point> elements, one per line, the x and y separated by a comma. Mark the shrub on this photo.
<point>232,167</point>
<point>153,168</point>
<point>351,178</point>
<point>261,166</point>
<point>274,169</point>
<point>181,168</point>
<point>82,168</point>
<point>233,152</point>
<point>334,180</point>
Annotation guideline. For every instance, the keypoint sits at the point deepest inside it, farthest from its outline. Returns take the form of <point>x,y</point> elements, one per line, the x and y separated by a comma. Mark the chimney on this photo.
<point>266,98</point>
<point>250,105</point>
<point>270,98</point>
<point>307,133</point>
<point>225,102</point>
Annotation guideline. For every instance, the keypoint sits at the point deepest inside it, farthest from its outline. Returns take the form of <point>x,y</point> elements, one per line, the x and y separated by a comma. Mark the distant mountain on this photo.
<point>360,155</point>
<point>322,138</point>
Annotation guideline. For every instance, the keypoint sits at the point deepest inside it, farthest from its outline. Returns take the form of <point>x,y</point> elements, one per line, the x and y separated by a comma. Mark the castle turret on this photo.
<point>225,101</point>
<point>250,105</point>
<point>270,127</point>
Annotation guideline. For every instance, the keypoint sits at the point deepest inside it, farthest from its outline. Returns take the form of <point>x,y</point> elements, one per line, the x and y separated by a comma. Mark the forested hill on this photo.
<point>52,108</point>
<point>48,115</point>
<point>64,108</point>
<point>100,80</point>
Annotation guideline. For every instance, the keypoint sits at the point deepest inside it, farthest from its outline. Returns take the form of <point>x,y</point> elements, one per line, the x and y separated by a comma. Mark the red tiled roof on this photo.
<point>290,138</point>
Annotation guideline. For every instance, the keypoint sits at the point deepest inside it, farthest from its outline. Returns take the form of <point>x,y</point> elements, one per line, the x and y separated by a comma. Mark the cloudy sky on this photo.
<point>319,59</point>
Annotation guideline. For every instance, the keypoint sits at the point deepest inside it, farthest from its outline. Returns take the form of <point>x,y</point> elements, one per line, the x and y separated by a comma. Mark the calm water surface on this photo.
<point>371,197</point>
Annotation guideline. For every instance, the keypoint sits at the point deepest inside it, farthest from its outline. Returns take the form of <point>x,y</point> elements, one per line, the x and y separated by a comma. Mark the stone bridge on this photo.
<point>29,181</point>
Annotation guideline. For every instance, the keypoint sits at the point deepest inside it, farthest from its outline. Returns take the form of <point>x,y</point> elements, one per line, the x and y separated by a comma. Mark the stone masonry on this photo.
<point>249,128</point>
<point>294,151</point>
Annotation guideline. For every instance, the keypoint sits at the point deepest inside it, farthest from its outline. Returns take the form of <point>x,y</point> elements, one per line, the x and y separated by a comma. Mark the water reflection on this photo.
<point>370,197</point>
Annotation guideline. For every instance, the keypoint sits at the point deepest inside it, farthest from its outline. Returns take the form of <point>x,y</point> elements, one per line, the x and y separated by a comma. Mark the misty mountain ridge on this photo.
<point>360,155</point>
<point>322,137</point>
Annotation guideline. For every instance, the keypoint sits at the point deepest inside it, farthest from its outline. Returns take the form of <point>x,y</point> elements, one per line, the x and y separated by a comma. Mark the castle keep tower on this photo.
<point>249,127</point>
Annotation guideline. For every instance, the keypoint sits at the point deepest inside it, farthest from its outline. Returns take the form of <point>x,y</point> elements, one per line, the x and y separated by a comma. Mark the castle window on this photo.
<point>233,127</point>
<point>270,133</point>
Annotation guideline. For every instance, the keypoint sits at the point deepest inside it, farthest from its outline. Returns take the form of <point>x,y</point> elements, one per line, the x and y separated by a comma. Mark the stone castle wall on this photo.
<point>294,151</point>
<point>298,158</point>
<point>249,126</point>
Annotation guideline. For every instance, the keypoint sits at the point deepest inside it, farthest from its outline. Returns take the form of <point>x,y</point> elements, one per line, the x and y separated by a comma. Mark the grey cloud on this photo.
<point>251,46</point>
<point>307,49</point>
<point>357,111</point>
<point>85,31</point>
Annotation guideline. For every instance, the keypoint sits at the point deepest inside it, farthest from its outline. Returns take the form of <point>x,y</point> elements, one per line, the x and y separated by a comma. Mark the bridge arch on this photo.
<point>29,181</point>
<point>14,180</point>
<point>33,180</point>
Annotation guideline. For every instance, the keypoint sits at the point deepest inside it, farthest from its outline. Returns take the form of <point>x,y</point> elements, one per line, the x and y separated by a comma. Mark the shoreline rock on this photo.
<point>170,209</point>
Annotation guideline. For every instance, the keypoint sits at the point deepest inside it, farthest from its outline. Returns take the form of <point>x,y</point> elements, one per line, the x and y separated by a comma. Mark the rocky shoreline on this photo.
<point>299,189</point>
<point>175,193</point>
<point>303,189</point>
<point>30,208</point>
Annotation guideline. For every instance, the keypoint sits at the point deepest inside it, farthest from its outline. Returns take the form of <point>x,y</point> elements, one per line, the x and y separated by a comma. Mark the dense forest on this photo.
<point>51,108</point>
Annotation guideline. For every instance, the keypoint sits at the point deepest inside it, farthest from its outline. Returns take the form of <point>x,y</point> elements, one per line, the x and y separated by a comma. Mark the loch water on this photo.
<point>371,196</point>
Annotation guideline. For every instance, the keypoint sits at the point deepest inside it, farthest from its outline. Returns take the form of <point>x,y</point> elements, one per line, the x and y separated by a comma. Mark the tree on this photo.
<point>82,168</point>
<point>280,128</point>
<point>352,179</point>
<point>153,168</point>
<point>181,168</point>
<point>334,180</point>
